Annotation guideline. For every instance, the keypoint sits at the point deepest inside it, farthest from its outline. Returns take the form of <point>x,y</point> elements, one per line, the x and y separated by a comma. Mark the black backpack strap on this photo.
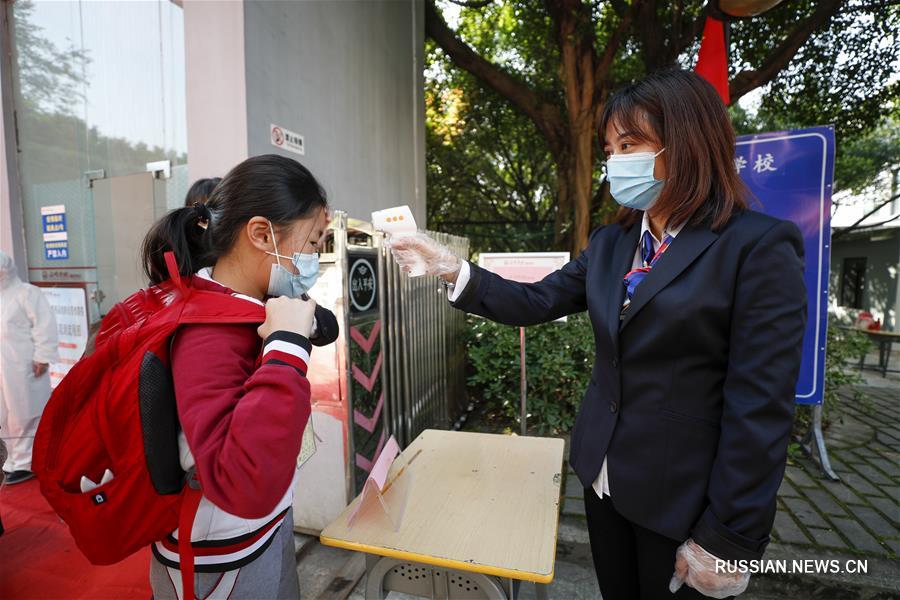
<point>159,424</point>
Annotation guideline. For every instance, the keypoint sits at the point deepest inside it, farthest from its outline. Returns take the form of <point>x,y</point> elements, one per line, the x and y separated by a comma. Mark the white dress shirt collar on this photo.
<point>206,273</point>
<point>645,226</point>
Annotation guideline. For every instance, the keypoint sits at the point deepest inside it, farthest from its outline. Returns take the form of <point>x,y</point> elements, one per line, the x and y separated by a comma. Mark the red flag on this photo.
<point>712,63</point>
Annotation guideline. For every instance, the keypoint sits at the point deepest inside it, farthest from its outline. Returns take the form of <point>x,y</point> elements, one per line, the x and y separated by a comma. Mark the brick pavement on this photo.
<point>856,517</point>
<point>859,514</point>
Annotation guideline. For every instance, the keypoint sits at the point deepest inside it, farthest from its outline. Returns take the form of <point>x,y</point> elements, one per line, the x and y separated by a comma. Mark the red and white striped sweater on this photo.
<point>243,404</point>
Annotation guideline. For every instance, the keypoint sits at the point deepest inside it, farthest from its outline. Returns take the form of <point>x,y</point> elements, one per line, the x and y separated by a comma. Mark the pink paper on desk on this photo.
<point>380,470</point>
<point>378,475</point>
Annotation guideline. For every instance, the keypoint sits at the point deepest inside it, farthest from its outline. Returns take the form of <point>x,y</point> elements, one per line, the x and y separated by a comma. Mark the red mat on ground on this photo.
<point>40,559</point>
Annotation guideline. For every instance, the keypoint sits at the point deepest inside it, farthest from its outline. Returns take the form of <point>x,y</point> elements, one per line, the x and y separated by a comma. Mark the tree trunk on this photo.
<point>561,228</point>
<point>582,181</point>
<point>575,173</point>
<point>585,76</point>
<point>574,34</point>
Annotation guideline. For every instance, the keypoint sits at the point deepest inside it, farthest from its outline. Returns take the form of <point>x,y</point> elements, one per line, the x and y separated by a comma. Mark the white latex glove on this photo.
<point>697,568</point>
<point>416,250</point>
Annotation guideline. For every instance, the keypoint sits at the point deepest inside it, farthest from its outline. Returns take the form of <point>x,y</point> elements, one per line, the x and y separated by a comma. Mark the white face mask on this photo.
<point>293,285</point>
<point>631,181</point>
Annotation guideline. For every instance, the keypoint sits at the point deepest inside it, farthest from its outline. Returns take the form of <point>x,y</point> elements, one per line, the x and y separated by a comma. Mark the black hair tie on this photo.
<point>203,215</point>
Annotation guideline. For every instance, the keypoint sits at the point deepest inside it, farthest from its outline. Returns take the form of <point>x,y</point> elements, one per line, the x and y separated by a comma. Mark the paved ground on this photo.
<point>860,513</point>
<point>856,518</point>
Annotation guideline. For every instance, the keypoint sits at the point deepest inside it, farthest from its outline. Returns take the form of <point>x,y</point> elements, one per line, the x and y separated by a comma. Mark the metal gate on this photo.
<point>404,354</point>
<point>424,351</point>
<point>397,367</point>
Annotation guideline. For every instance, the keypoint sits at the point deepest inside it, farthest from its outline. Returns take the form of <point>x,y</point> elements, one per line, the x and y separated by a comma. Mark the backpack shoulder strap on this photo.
<point>215,307</point>
<point>174,273</point>
<point>203,306</point>
<point>190,502</point>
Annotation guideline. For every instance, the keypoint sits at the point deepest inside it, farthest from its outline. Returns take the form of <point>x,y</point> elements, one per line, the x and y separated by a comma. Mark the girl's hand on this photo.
<point>288,314</point>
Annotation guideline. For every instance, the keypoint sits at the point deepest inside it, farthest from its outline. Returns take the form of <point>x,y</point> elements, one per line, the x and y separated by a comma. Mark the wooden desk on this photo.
<point>482,505</point>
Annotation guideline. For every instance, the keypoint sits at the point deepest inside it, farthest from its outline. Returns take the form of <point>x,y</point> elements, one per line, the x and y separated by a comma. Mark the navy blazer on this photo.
<point>691,396</point>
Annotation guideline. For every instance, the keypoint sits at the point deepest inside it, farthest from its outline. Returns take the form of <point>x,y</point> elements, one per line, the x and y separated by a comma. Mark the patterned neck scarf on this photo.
<point>648,258</point>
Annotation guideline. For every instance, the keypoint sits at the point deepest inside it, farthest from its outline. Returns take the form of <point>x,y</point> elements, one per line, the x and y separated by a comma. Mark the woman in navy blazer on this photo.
<point>698,308</point>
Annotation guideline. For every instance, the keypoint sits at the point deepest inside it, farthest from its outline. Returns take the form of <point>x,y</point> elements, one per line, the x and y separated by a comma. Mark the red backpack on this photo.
<point>116,410</point>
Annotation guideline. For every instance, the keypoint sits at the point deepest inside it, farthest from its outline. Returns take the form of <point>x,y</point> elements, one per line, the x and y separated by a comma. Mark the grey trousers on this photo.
<point>271,576</point>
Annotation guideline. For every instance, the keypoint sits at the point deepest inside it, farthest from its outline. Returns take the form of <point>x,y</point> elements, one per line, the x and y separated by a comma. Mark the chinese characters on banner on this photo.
<point>764,162</point>
<point>790,174</point>
<point>70,309</point>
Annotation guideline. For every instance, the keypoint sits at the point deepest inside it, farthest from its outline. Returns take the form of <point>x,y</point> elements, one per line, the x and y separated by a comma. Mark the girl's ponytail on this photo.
<point>271,186</point>
<point>184,231</point>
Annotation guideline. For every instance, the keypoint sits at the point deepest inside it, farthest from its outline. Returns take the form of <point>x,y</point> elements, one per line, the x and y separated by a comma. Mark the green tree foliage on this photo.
<point>490,176</point>
<point>541,72</point>
<point>845,74</point>
<point>843,379</point>
<point>863,157</point>
<point>559,358</point>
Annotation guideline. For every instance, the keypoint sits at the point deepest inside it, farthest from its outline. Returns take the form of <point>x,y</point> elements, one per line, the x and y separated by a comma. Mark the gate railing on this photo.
<point>404,361</point>
<point>424,364</point>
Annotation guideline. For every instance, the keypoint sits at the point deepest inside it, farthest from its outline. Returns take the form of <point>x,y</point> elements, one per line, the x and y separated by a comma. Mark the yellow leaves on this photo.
<point>444,112</point>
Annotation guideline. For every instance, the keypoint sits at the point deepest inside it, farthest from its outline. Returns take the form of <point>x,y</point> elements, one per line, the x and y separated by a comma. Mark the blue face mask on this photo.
<point>631,181</point>
<point>293,285</point>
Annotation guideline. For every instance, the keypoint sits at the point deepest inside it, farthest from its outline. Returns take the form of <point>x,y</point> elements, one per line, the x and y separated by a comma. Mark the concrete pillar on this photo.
<point>347,76</point>
<point>216,88</point>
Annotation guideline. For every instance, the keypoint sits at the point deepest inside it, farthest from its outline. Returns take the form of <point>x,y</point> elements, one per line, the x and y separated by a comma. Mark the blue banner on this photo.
<point>58,250</point>
<point>54,223</point>
<point>791,174</point>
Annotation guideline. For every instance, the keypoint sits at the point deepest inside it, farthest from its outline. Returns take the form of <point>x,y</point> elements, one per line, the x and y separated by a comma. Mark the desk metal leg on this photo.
<point>515,586</point>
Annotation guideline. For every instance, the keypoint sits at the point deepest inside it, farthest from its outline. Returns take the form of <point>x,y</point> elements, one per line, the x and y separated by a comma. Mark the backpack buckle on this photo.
<point>191,479</point>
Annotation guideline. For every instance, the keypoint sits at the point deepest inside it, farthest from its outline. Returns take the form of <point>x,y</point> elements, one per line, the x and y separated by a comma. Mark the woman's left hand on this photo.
<point>697,568</point>
<point>435,258</point>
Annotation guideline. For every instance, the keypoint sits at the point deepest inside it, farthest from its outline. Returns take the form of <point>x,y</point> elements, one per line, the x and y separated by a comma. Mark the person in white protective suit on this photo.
<point>27,347</point>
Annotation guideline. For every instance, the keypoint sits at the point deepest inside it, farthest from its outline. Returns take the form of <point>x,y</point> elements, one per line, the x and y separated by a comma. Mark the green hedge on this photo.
<point>559,358</point>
